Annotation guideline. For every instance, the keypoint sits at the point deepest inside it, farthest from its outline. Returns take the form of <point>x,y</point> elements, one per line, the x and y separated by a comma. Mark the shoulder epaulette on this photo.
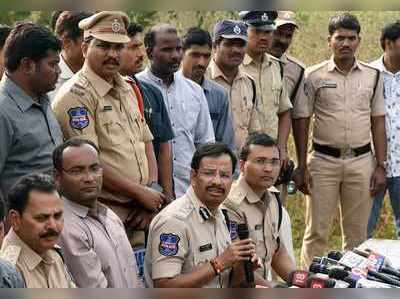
<point>296,61</point>
<point>316,67</point>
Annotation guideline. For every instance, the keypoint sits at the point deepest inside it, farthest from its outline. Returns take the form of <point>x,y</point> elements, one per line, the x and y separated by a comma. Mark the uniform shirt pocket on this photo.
<point>112,128</point>
<point>203,254</point>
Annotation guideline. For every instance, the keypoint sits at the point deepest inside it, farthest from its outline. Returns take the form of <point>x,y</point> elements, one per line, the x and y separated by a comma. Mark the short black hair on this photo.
<point>68,23</point>
<point>391,32</point>
<point>133,29</point>
<point>214,149</point>
<point>74,142</point>
<point>54,17</point>
<point>19,194</point>
<point>4,33</point>
<point>3,208</point>
<point>29,40</point>
<point>150,36</point>
<point>256,138</point>
<point>344,21</point>
<point>196,36</point>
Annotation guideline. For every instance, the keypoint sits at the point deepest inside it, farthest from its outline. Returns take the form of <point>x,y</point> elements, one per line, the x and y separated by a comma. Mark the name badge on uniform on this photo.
<point>206,247</point>
<point>107,108</point>
<point>329,84</point>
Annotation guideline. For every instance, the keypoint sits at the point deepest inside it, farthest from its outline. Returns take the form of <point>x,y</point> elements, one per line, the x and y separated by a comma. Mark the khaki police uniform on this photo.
<point>261,216</point>
<point>342,106</point>
<point>293,74</point>
<point>242,100</point>
<point>38,271</point>
<point>184,236</point>
<point>271,93</point>
<point>89,107</point>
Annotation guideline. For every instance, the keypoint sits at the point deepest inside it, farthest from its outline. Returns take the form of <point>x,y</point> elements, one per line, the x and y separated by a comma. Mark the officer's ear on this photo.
<point>85,47</point>
<point>27,66</point>
<point>14,218</point>
<point>57,178</point>
<point>193,177</point>
<point>149,52</point>
<point>241,165</point>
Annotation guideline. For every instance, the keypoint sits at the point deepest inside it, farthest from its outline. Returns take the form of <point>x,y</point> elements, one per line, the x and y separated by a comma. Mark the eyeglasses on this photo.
<point>78,172</point>
<point>274,162</point>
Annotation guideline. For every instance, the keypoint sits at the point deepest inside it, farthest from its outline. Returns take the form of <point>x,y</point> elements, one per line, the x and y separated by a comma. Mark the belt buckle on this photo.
<point>346,152</point>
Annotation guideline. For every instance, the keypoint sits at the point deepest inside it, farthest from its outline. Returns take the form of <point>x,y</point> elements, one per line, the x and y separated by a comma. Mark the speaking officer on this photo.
<point>345,96</point>
<point>189,243</point>
<point>98,105</point>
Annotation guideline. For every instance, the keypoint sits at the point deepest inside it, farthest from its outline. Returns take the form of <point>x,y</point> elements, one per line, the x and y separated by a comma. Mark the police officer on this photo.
<point>229,44</point>
<point>345,96</point>
<point>97,104</point>
<point>36,217</point>
<point>273,103</point>
<point>189,243</point>
<point>252,201</point>
<point>293,69</point>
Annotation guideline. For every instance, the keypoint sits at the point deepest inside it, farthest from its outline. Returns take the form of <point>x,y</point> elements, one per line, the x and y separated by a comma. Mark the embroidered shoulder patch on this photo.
<point>169,244</point>
<point>78,118</point>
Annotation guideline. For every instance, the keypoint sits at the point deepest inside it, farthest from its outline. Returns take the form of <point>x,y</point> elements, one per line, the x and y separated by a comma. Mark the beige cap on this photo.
<point>109,26</point>
<point>285,17</point>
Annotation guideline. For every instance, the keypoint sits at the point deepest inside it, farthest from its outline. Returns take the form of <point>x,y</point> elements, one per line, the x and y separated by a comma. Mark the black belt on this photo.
<point>345,152</point>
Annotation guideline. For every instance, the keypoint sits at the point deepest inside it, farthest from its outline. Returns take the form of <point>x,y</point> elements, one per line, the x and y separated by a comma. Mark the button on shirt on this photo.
<point>65,75</point>
<point>180,240</point>
<point>392,104</point>
<point>29,132</point>
<point>241,96</point>
<point>220,112</point>
<point>89,107</point>
<point>261,216</point>
<point>96,249</point>
<point>271,93</point>
<point>342,105</point>
<point>46,271</point>
<point>190,119</point>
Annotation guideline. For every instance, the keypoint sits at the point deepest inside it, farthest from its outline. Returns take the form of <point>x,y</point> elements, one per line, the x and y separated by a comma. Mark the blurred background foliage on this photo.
<point>310,46</point>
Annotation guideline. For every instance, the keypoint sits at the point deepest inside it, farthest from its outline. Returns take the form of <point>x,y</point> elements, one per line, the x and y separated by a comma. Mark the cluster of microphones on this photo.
<point>351,269</point>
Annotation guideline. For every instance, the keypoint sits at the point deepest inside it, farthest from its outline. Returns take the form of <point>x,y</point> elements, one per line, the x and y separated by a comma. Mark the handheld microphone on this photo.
<point>340,274</point>
<point>243,233</point>
<point>298,278</point>
<point>315,282</point>
<point>378,262</point>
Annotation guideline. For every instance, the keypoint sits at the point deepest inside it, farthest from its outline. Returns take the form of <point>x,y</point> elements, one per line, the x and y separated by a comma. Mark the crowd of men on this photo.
<point>117,175</point>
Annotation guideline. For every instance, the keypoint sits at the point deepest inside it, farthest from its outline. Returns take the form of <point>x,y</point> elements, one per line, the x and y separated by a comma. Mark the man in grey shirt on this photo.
<point>95,246</point>
<point>197,46</point>
<point>186,104</point>
<point>29,131</point>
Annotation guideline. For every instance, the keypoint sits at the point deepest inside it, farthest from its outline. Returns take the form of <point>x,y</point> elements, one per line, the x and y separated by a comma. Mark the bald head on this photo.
<point>157,30</point>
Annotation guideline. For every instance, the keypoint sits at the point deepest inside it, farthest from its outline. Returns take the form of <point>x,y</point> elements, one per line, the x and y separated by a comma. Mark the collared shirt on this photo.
<point>391,84</point>
<point>65,75</point>
<point>242,100</point>
<point>271,92</point>
<point>156,115</point>
<point>10,278</point>
<point>89,107</point>
<point>293,71</point>
<point>181,239</point>
<point>220,112</point>
<point>342,105</point>
<point>261,216</point>
<point>190,120</point>
<point>46,271</point>
<point>29,132</point>
<point>96,250</point>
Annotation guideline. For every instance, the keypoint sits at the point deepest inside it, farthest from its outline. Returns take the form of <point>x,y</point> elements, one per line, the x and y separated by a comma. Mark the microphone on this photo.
<point>243,233</point>
<point>340,274</point>
<point>298,278</point>
<point>322,271</point>
<point>378,262</point>
<point>315,282</point>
